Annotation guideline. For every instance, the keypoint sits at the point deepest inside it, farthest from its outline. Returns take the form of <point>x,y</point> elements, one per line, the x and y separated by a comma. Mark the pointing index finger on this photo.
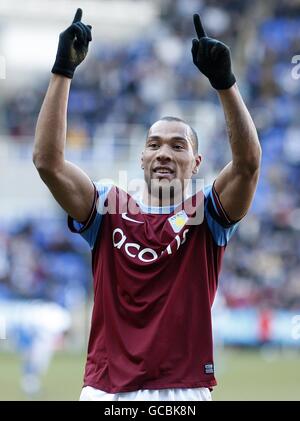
<point>78,16</point>
<point>198,26</point>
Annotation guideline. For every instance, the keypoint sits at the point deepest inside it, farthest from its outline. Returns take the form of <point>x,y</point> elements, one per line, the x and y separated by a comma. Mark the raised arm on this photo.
<point>236,183</point>
<point>70,186</point>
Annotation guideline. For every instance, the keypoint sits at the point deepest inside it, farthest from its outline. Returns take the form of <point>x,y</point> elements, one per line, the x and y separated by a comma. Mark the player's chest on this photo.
<point>148,238</point>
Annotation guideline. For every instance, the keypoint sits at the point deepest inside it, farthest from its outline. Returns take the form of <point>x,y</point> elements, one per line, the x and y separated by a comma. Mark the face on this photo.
<point>168,156</point>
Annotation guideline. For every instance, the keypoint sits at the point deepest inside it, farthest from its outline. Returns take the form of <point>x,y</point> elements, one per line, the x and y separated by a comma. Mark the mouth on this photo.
<point>163,172</point>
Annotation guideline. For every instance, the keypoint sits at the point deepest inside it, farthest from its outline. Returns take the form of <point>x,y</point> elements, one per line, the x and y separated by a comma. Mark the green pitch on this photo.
<point>242,375</point>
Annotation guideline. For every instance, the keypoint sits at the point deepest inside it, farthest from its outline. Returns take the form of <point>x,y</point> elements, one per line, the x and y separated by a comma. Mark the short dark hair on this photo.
<point>194,133</point>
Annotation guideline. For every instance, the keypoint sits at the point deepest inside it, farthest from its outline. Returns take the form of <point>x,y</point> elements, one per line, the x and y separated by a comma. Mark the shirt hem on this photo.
<point>151,386</point>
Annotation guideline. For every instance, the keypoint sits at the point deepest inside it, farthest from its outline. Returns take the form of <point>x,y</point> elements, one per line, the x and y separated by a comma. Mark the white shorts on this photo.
<point>89,393</point>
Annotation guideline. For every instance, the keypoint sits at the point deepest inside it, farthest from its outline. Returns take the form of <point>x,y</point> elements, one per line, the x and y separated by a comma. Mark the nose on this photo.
<point>164,154</point>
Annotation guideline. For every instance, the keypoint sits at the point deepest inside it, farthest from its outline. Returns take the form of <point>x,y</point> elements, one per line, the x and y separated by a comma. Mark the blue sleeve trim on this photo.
<point>89,230</point>
<point>220,229</point>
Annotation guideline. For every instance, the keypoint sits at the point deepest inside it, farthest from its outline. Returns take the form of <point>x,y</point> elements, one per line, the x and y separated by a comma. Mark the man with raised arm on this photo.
<point>155,270</point>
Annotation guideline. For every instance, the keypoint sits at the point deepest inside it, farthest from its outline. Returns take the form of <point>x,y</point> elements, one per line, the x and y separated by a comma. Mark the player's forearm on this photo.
<point>244,143</point>
<point>50,136</point>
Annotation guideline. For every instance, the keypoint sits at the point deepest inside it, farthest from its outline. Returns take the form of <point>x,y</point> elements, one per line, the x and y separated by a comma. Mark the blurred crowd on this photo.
<point>40,259</point>
<point>128,83</point>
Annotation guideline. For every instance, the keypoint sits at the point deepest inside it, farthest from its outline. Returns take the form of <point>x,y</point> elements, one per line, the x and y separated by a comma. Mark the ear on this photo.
<point>198,159</point>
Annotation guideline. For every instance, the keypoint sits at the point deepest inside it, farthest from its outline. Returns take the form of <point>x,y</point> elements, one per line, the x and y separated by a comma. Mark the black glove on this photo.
<point>72,47</point>
<point>212,58</point>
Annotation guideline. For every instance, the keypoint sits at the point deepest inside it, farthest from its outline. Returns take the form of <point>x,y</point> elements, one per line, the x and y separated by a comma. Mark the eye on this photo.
<point>178,147</point>
<point>152,145</point>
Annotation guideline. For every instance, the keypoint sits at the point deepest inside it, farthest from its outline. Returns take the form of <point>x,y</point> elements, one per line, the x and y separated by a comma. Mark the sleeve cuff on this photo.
<point>79,227</point>
<point>226,221</point>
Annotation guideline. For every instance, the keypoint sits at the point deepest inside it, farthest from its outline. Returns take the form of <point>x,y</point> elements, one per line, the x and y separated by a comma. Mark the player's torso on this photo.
<point>153,292</point>
<point>145,238</point>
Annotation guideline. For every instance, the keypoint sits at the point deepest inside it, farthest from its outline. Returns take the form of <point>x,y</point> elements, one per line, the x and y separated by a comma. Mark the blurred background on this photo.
<point>138,69</point>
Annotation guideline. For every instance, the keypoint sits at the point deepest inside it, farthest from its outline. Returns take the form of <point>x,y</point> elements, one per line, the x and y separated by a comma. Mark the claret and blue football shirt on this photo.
<point>155,278</point>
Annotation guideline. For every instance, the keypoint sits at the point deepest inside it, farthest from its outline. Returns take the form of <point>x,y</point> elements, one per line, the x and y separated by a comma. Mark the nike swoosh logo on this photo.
<point>124,216</point>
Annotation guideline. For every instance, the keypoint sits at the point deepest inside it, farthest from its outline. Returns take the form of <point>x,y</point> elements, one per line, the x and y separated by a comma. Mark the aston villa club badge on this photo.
<point>178,221</point>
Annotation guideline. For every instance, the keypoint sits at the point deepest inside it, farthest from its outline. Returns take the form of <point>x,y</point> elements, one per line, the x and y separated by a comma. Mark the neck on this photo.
<point>159,200</point>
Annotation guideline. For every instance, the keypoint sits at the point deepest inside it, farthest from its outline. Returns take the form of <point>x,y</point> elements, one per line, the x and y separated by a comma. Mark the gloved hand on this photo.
<point>212,58</point>
<point>72,47</point>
